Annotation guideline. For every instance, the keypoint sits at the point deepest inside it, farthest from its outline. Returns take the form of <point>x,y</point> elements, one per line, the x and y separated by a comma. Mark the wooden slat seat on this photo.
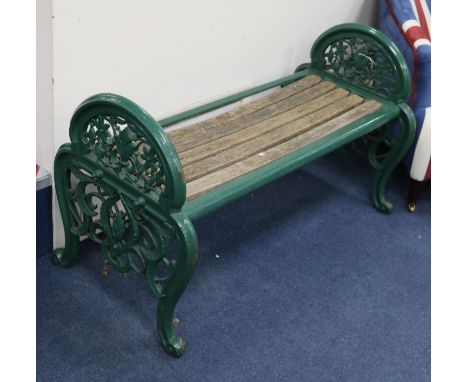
<point>221,149</point>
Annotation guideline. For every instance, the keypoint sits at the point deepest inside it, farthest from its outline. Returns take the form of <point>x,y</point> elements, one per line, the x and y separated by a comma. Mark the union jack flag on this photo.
<point>408,24</point>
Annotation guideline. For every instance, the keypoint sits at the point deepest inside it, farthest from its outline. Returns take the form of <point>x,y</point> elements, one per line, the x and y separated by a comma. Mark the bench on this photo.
<point>127,183</point>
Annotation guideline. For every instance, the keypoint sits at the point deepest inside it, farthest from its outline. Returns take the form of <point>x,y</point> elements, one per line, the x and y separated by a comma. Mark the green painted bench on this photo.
<point>130,185</point>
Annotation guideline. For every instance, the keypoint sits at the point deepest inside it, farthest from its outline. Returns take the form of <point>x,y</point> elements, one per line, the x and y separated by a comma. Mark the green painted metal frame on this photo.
<point>120,181</point>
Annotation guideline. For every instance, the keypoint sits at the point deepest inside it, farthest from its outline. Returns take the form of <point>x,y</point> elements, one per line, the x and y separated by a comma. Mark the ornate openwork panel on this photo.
<point>125,142</point>
<point>362,63</point>
<point>118,145</point>
<point>364,57</point>
<point>131,238</point>
<point>376,146</point>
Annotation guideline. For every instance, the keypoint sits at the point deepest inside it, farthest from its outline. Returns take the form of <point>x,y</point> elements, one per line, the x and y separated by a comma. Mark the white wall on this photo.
<point>44,107</point>
<point>164,54</point>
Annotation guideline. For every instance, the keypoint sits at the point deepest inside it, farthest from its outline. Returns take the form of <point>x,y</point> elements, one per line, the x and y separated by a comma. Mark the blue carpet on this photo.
<point>300,281</point>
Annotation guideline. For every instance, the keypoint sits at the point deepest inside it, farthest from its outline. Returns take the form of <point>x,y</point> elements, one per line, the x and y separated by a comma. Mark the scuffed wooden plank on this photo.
<point>269,139</point>
<point>193,141</point>
<point>251,131</point>
<point>183,136</point>
<point>229,173</point>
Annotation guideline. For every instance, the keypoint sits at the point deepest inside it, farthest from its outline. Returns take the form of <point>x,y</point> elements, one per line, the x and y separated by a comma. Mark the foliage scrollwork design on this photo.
<point>120,183</point>
<point>118,145</point>
<point>376,146</point>
<point>362,63</point>
<point>131,238</point>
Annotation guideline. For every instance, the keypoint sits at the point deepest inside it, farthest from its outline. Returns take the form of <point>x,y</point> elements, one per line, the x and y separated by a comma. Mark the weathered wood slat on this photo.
<point>310,94</point>
<point>204,184</point>
<point>261,143</point>
<point>183,136</point>
<point>250,131</point>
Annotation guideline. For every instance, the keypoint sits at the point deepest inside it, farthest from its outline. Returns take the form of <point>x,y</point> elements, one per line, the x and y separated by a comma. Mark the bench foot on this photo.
<point>392,158</point>
<point>175,286</point>
<point>66,256</point>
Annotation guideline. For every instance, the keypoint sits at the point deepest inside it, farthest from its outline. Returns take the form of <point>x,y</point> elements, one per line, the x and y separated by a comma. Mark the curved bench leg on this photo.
<point>185,262</point>
<point>64,256</point>
<point>394,156</point>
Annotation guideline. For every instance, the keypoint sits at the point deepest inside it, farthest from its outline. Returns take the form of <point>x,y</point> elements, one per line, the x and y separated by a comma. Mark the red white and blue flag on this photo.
<point>408,24</point>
